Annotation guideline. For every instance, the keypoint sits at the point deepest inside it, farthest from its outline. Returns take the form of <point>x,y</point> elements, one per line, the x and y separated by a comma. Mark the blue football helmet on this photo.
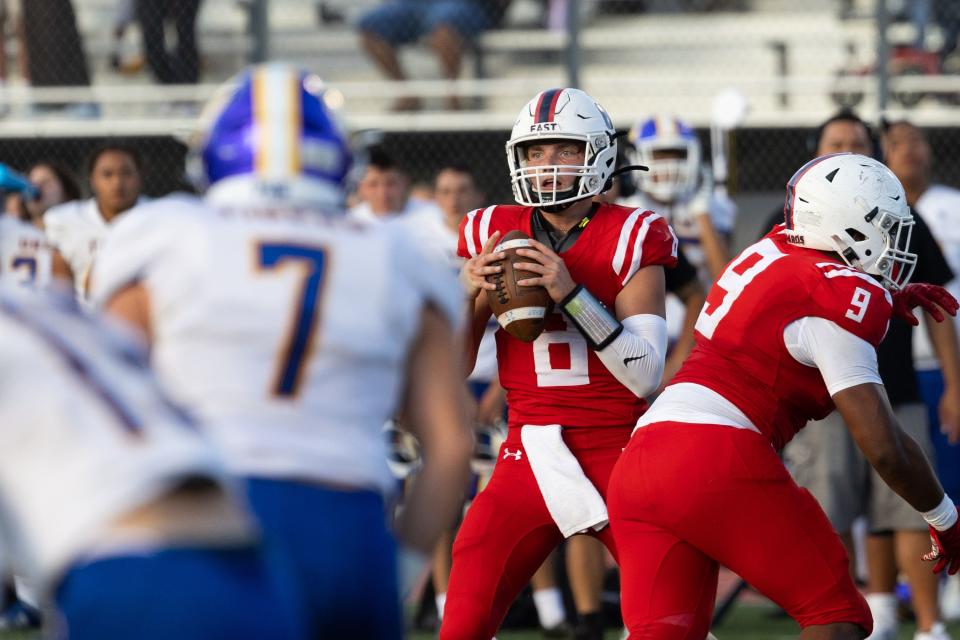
<point>269,136</point>
<point>671,150</point>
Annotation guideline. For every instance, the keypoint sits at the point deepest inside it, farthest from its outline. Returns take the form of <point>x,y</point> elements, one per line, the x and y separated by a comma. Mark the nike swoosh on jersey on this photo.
<point>627,361</point>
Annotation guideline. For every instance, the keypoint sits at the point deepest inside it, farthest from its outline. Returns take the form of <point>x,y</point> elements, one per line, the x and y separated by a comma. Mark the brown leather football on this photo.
<point>521,311</point>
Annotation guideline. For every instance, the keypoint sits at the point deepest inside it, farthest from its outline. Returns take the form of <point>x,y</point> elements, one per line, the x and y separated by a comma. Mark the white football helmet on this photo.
<point>855,206</point>
<point>669,179</point>
<point>562,114</point>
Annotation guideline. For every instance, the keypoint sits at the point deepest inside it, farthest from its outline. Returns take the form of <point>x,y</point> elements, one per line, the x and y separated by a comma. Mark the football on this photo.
<point>521,311</point>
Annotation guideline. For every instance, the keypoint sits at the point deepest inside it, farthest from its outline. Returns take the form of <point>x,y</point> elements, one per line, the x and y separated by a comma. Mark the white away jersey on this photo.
<point>25,255</point>
<point>428,228</point>
<point>286,331</point>
<point>939,206</point>
<point>76,229</point>
<point>85,434</point>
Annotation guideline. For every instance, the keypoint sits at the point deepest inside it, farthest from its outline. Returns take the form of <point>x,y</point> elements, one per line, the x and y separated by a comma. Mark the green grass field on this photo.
<point>745,622</point>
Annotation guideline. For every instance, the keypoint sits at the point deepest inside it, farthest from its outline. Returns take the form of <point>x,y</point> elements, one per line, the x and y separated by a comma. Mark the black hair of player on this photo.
<point>65,176</point>
<point>458,166</point>
<point>380,158</point>
<point>117,147</point>
<point>886,125</point>
<point>844,115</point>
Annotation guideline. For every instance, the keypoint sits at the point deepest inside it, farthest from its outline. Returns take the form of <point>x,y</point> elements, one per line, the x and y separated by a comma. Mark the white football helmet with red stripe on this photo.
<point>852,205</point>
<point>562,114</point>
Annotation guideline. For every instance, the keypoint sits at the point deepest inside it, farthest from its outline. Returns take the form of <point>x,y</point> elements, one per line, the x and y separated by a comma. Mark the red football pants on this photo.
<point>508,532</point>
<point>685,498</point>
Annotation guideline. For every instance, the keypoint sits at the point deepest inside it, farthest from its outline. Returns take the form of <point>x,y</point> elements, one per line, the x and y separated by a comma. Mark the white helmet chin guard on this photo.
<point>557,115</point>
<point>855,206</point>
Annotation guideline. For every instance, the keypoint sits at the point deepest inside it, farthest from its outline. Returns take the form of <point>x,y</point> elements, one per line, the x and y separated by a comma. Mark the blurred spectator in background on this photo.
<point>25,258</point>
<point>76,229</point>
<point>908,154</point>
<point>125,17</point>
<point>448,24</point>
<point>56,184</point>
<point>947,15</point>
<point>55,56</point>
<point>384,190</point>
<point>10,24</point>
<point>24,249</point>
<point>181,65</point>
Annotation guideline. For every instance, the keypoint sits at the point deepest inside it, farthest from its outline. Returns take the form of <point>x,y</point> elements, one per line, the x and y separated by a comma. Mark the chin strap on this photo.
<point>621,170</point>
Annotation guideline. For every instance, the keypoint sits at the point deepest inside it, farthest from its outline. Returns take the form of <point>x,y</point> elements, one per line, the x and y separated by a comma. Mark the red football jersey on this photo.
<point>557,378</point>
<point>739,350</point>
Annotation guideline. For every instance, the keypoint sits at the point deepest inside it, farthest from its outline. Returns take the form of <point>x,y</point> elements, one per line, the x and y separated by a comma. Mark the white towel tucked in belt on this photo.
<point>572,500</point>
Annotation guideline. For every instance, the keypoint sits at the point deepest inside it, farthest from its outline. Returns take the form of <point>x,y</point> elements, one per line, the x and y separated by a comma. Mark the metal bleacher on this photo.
<point>782,55</point>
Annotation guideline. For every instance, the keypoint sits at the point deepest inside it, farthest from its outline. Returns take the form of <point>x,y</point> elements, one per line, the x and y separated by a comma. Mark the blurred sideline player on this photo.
<point>113,505</point>
<point>679,187</point>
<point>789,330</point>
<point>76,229</point>
<point>294,333</point>
<point>575,391</point>
<point>455,192</point>
<point>826,461</point>
<point>27,258</point>
<point>56,185</point>
<point>384,191</point>
<point>25,255</point>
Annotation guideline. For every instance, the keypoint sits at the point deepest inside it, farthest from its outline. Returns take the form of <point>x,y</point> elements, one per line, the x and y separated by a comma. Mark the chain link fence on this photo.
<point>76,72</point>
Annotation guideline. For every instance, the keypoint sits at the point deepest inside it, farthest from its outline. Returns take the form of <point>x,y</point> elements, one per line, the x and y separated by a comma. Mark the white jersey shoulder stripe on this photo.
<point>468,233</point>
<point>638,246</point>
<point>844,272</point>
<point>485,225</point>
<point>624,239</point>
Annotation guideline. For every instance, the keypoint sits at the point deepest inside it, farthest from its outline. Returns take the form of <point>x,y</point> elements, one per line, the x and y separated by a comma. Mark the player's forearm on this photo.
<point>693,303</point>
<point>632,350</point>
<point>943,337</point>
<point>478,313</point>
<point>714,247</point>
<point>896,456</point>
<point>908,472</point>
<point>434,500</point>
<point>437,416</point>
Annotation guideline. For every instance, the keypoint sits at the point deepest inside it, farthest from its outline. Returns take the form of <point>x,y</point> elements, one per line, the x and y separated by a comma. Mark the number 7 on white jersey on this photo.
<point>296,348</point>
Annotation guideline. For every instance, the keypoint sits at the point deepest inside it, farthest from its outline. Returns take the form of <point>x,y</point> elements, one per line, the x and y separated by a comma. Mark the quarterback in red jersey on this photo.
<point>788,331</point>
<point>575,392</point>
